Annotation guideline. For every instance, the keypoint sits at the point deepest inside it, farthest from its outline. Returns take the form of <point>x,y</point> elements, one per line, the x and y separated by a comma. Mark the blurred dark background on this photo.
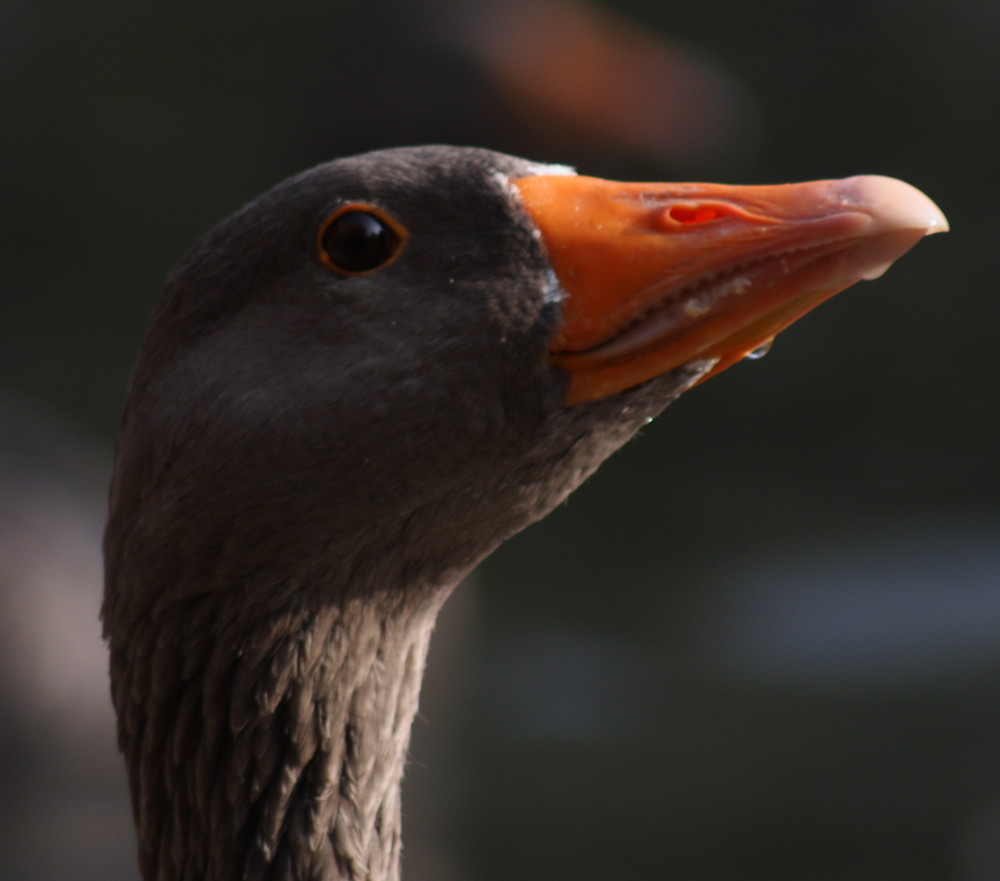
<point>764,642</point>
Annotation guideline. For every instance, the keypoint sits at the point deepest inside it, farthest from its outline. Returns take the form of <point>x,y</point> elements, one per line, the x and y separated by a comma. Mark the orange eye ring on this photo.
<point>359,238</point>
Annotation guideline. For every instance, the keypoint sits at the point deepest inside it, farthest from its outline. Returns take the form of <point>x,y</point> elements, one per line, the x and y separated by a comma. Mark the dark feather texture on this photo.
<point>308,464</point>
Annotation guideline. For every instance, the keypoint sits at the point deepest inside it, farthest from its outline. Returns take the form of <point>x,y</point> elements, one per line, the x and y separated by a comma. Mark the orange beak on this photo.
<point>657,275</point>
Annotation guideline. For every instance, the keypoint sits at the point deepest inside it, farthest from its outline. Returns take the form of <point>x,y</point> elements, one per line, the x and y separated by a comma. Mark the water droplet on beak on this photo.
<point>761,350</point>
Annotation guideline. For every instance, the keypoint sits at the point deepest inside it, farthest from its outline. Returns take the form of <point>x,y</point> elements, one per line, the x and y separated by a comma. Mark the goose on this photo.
<point>351,391</point>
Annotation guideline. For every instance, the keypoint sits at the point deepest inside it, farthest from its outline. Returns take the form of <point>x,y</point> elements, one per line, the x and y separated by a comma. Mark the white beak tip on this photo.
<point>893,204</point>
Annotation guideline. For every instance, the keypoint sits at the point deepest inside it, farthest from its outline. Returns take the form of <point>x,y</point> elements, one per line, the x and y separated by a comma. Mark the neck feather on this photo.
<point>272,748</point>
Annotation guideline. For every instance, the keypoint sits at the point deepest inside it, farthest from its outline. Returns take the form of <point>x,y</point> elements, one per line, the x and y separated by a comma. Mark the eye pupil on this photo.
<point>357,241</point>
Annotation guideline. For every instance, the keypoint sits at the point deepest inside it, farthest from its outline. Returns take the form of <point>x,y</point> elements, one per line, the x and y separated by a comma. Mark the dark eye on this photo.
<point>357,239</point>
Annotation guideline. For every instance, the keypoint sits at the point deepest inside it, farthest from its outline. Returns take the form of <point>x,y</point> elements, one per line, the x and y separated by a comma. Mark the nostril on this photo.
<point>689,214</point>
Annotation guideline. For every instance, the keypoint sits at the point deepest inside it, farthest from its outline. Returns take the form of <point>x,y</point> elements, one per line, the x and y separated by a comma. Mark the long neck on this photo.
<point>273,748</point>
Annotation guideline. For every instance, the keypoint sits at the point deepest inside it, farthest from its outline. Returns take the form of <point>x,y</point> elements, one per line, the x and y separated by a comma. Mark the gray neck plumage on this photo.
<point>273,748</point>
<point>270,593</point>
